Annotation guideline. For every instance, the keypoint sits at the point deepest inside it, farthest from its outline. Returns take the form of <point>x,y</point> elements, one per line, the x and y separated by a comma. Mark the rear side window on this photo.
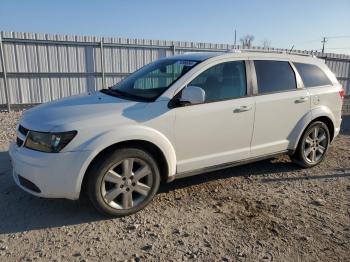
<point>312,75</point>
<point>274,76</point>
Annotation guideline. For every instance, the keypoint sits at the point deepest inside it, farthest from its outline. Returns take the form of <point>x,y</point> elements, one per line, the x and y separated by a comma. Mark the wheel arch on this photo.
<point>326,119</point>
<point>147,146</point>
<point>148,139</point>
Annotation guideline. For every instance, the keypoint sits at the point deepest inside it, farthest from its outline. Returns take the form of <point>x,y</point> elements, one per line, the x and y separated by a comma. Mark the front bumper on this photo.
<point>54,175</point>
<point>336,132</point>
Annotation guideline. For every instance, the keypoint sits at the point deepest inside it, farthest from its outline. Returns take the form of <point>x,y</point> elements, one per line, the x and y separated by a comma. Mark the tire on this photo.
<point>123,182</point>
<point>311,151</point>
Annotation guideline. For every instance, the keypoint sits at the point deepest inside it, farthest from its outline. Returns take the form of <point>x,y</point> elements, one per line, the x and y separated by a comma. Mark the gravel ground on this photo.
<point>266,211</point>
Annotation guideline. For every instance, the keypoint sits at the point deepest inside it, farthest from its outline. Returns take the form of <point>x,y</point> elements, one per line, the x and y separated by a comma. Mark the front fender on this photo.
<point>126,133</point>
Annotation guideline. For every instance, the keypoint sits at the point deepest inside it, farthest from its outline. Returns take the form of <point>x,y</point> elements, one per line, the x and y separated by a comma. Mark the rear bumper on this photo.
<point>51,175</point>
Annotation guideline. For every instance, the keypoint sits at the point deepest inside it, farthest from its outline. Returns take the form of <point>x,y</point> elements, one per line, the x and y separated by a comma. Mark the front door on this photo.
<point>219,130</point>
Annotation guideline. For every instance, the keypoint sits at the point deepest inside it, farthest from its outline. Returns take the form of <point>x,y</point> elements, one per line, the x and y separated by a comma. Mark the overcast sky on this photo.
<point>302,23</point>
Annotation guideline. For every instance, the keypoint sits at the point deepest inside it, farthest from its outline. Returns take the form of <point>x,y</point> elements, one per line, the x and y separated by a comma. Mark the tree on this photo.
<point>266,43</point>
<point>246,41</point>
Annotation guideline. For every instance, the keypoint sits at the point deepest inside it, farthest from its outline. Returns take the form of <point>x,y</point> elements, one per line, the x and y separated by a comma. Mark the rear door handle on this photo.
<point>242,109</point>
<point>302,99</point>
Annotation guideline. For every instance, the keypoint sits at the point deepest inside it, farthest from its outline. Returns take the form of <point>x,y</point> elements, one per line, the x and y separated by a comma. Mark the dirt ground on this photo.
<point>267,211</point>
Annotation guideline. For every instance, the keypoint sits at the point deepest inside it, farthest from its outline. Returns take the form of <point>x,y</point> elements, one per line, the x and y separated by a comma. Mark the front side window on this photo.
<point>312,75</point>
<point>153,79</point>
<point>223,81</point>
<point>274,76</point>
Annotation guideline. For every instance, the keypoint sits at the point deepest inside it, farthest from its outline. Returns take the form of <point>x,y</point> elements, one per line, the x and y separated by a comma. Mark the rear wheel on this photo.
<point>312,146</point>
<point>124,182</point>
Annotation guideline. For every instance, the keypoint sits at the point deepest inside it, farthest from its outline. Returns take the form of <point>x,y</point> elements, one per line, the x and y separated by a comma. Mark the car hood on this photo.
<point>76,111</point>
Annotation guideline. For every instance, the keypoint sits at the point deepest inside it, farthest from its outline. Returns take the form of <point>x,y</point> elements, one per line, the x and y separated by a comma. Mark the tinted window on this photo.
<point>312,75</point>
<point>274,76</point>
<point>223,81</point>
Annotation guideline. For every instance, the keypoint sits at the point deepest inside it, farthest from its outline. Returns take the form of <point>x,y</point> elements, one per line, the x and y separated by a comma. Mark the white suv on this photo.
<point>177,117</point>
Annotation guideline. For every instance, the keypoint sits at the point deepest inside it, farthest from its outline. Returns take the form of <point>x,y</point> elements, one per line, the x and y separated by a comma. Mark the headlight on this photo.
<point>48,142</point>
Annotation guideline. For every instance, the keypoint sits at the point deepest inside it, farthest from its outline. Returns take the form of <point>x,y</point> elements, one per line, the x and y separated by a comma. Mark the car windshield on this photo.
<point>149,82</point>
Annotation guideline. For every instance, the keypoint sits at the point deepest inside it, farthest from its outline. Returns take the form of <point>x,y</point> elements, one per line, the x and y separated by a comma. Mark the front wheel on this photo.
<point>123,182</point>
<point>312,146</point>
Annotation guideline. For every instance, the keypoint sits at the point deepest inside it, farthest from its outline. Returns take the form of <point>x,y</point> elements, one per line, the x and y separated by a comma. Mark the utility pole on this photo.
<point>4,73</point>
<point>324,40</point>
<point>234,46</point>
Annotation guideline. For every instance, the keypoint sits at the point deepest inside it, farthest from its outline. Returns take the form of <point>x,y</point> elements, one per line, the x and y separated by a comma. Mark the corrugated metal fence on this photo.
<point>36,68</point>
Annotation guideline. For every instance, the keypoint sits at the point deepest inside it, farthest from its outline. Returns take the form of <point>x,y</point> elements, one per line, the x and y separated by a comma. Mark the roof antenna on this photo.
<point>291,49</point>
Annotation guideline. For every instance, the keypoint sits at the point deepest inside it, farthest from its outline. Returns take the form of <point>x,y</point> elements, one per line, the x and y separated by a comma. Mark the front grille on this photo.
<point>28,184</point>
<point>19,142</point>
<point>24,131</point>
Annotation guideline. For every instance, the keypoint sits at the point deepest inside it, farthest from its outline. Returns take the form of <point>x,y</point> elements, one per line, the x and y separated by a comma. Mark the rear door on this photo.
<point>282,107</point>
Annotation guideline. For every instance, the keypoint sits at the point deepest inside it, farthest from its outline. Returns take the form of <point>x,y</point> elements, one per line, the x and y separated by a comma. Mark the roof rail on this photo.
<point>274,51</point>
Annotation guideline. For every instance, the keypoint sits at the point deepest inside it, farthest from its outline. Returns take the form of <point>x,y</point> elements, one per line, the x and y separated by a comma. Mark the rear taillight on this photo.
<point>342,93</point>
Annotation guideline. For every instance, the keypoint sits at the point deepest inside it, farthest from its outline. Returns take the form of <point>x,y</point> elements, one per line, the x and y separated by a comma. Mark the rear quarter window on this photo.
<point>312,75</point>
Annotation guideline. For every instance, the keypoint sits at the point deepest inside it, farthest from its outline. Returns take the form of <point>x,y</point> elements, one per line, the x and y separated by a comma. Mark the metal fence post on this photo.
<point>174,50</point>
<point>102,64</point>
<point>4,72</point>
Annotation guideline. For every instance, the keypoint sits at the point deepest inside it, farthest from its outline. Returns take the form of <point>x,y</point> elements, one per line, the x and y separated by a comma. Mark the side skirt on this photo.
<point>225,165</point>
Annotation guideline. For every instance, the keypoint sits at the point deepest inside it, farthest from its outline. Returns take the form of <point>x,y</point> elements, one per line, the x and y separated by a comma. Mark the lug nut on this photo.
<point>127,189</point>
<point>121,186</point>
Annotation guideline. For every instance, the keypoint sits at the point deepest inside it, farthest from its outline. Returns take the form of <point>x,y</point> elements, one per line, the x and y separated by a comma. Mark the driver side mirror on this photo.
<point>193,95</point>
<point>190,95</point>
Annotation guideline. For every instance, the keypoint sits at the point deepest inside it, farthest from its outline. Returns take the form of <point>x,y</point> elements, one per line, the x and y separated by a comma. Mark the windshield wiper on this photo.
<point>108,91</point>
<point>121,94</point>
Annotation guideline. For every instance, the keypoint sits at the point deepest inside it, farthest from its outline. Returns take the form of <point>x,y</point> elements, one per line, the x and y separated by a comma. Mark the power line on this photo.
<point>325,39</point>
<point>309,41</point>
<point>347,47</point>
<point>317,40</point>
<point>339,36</point>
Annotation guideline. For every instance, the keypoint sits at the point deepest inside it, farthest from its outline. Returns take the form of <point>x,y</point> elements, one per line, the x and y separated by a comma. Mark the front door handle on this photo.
<point>302,99</point>
<point>242,109</point>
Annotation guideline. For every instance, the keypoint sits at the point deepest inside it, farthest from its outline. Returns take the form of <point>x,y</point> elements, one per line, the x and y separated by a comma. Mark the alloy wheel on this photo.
<point>315,144</point>
<point>127,184</point>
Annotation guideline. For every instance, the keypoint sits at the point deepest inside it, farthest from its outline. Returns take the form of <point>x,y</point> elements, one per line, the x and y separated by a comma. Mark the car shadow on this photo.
<point>290,179</point>
<point>269,166</point>
<point>20,211</point>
